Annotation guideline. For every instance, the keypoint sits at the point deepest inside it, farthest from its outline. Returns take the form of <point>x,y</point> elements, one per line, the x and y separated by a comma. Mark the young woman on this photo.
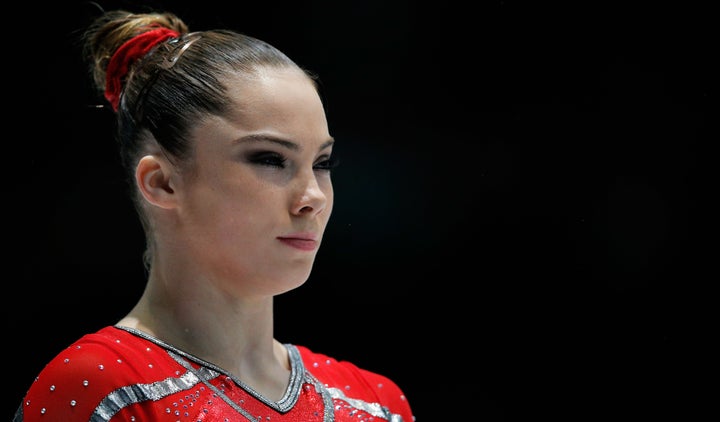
<point>228,152</point>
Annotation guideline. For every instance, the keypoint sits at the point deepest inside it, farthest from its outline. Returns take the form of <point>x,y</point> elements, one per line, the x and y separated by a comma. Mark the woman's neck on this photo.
<point>236,335</point>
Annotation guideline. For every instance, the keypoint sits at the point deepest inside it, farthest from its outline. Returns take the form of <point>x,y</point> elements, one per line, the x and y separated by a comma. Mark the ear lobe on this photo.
<point>152,176</point>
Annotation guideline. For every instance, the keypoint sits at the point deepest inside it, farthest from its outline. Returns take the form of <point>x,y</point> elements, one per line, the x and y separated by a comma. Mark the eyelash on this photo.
<point>272,159</point>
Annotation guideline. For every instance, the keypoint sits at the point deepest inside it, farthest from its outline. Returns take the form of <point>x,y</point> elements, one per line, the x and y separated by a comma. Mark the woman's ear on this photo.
<point>153,178</point>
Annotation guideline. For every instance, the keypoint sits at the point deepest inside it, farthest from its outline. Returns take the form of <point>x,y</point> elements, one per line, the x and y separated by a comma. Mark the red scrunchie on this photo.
<point>130,51</point>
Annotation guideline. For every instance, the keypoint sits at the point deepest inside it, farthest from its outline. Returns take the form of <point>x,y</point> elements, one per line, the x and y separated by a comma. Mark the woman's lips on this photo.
<point>303,244</point>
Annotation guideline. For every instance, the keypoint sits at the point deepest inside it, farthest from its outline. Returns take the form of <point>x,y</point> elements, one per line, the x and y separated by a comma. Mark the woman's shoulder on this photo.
<point>327,368</point>
<point>101,356</point>
<point>92,367</point>
<point>106,351</point>
<point>355,381</point>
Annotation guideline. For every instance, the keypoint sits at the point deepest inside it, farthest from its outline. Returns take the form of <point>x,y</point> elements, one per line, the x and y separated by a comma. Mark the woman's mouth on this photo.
<point>302,243</point>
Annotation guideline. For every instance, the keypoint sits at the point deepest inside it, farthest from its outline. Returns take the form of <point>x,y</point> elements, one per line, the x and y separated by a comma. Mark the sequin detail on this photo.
<point>137,393</point>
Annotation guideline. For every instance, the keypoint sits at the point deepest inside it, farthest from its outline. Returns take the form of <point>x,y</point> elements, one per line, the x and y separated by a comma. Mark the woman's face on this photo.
<point>257,201</point>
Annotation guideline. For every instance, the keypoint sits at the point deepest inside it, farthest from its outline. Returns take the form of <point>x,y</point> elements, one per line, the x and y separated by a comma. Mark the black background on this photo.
<point>519,228</point>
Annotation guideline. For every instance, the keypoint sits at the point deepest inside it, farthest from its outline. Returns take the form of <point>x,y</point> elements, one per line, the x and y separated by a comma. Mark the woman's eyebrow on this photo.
<point>327,143</point>
<point>258,137</point>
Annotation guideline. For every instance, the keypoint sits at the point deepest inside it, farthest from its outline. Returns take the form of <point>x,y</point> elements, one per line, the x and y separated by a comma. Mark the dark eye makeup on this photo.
<point>274,159</point>
<point>327,163</point>
<point>267,158</point>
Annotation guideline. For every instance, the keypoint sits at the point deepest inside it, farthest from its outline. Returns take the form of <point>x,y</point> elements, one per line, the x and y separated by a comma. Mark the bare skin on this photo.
<point>237,226</point>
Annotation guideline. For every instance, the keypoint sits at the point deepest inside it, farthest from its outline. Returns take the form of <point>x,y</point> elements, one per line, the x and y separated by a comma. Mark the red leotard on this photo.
<point>119,374</point>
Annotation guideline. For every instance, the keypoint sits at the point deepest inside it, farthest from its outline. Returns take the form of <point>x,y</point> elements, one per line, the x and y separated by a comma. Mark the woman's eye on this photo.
<point>326,164</point>
<point>270,159</point>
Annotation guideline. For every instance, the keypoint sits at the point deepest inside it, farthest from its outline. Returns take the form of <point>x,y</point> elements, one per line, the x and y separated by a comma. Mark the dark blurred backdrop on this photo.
<point>519,228</point>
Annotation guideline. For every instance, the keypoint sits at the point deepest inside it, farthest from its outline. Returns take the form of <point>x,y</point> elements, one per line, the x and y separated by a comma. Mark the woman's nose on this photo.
<point>311,199</point>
